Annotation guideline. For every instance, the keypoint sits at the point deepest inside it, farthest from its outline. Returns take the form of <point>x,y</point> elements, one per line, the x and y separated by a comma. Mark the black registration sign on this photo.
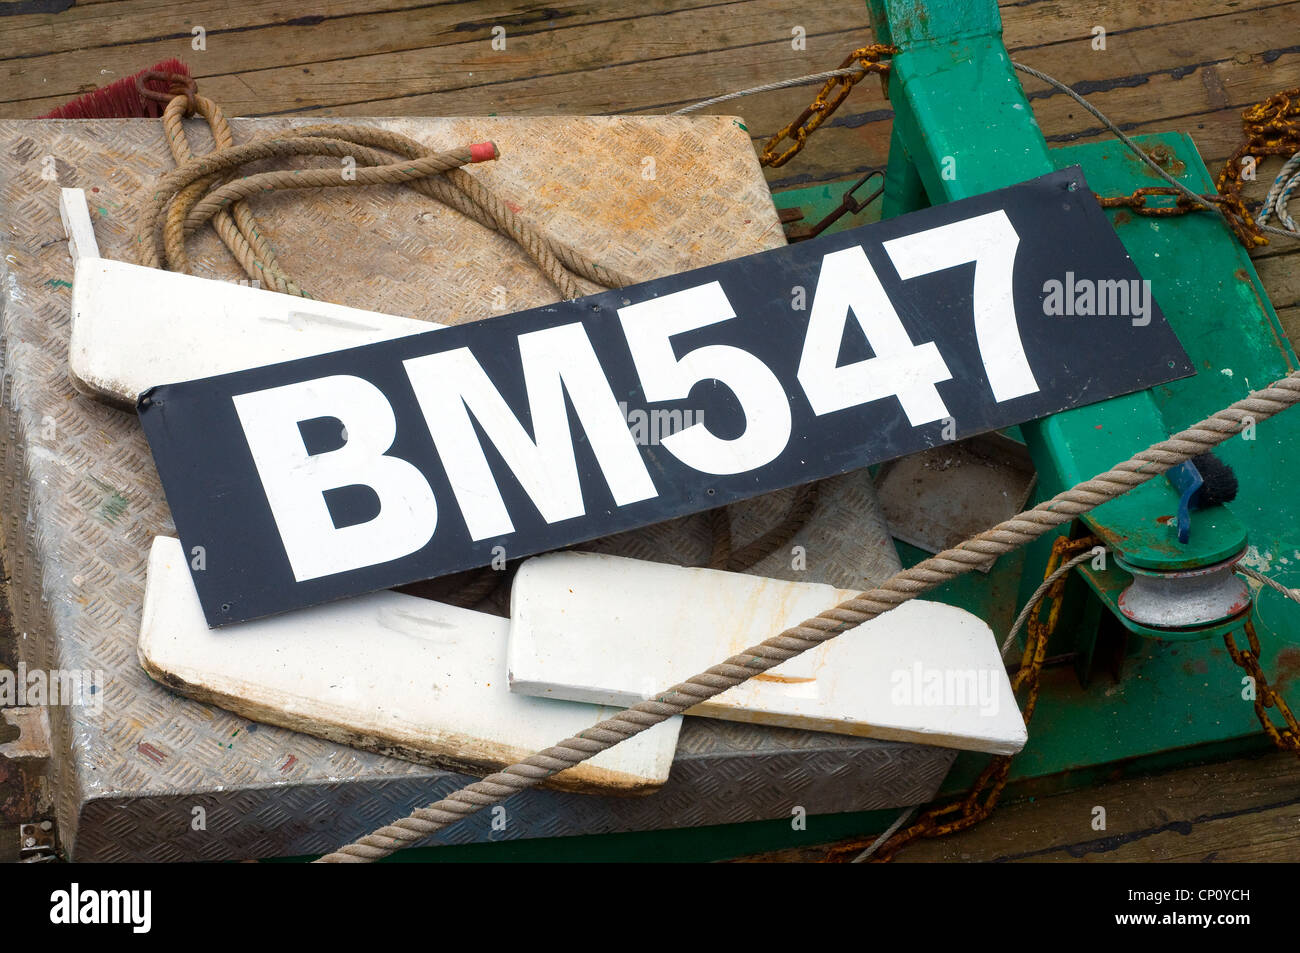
<point>381,465</point>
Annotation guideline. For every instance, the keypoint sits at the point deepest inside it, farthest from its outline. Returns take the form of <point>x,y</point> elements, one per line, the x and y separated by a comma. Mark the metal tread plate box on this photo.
<point>81,500</point>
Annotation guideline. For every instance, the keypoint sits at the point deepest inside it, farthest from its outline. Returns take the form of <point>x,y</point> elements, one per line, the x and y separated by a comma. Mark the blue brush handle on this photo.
<point>1187,480</point>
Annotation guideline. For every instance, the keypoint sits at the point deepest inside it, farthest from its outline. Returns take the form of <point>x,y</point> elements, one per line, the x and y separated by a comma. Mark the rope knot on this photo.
<point>178,84</point>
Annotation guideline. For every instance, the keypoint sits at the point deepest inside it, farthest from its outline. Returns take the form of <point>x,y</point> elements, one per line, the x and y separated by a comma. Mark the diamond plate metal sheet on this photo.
<point>80,500</point>
<point>724,773</point>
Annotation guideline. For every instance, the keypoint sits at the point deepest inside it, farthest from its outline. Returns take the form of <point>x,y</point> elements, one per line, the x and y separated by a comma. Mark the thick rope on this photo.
<point>1279,193</point>
<point>181,200</point>
<point>237,228</point>
<point>975,553</point>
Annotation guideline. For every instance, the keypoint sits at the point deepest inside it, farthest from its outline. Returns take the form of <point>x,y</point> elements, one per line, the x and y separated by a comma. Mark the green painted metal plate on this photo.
<point>1180,701</point>
<point>818,201</point>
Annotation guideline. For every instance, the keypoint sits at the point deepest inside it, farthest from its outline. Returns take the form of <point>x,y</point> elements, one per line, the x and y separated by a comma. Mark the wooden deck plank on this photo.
<point>1281,277</point>
<point>1242,810</point>
<point>104,23</point>
<point>848,20</point>
<point>525,86</point>
<point>839,148</point>
<point>1290,316</point>
<point>327,46</point>
<point>524,80</point>
<point>93,26</point>
<point>1248,809</point>
<point>1204,98</point>
<point>381,47</point>
<point>1192,94</point>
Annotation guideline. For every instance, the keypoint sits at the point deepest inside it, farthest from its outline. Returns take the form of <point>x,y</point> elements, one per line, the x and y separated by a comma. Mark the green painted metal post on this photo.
<point>903,189</point>
<point>964,126</point>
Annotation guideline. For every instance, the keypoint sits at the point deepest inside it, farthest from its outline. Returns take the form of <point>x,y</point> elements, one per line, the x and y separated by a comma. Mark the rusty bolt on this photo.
<point>1160,152</point>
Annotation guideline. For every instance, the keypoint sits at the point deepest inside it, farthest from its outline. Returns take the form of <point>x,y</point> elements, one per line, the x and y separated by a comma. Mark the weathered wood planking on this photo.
<point>396,56</point>
<point>378,56</point>
<point>1242,810</point>
<point>1206,101</point>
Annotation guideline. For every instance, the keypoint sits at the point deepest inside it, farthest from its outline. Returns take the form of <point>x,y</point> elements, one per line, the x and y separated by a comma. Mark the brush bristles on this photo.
<point>1220,482</point>
<point>120,99</point>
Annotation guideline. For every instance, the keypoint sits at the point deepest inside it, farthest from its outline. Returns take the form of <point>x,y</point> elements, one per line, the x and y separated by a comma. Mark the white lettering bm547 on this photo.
<point>454,393</point>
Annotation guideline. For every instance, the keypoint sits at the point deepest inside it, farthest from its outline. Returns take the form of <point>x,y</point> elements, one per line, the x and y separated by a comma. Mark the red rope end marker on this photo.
<point>483,152</point>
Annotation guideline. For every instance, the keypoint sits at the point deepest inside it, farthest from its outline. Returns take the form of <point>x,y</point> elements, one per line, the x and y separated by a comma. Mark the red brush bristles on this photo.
<point>121,99</point>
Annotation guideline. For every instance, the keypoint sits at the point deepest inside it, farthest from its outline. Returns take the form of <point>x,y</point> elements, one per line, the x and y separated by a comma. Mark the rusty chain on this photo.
<point>1137,201</point>
<point>1287,738</point>
<point>821,108</point>
<point>1270,128</point>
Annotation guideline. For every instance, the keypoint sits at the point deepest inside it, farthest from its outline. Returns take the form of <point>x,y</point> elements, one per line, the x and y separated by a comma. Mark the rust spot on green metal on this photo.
<point>1165,158</point>
<point>1288,667</point>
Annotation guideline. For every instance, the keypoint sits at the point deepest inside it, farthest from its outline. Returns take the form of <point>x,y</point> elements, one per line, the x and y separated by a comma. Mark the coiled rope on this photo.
<point>974,553</point>
<point>1279,193</point>
<point>182,201</point>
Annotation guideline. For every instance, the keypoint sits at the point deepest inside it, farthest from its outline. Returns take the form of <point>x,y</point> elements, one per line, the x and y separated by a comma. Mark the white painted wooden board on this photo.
<point>386,672</point>
<point>609,630</point>
<point>135,327</point>
<point>75,215</point>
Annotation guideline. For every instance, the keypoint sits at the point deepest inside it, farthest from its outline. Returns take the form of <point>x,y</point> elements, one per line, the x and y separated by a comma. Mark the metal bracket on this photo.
<point>849,205</point>
<point>36,843</point>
